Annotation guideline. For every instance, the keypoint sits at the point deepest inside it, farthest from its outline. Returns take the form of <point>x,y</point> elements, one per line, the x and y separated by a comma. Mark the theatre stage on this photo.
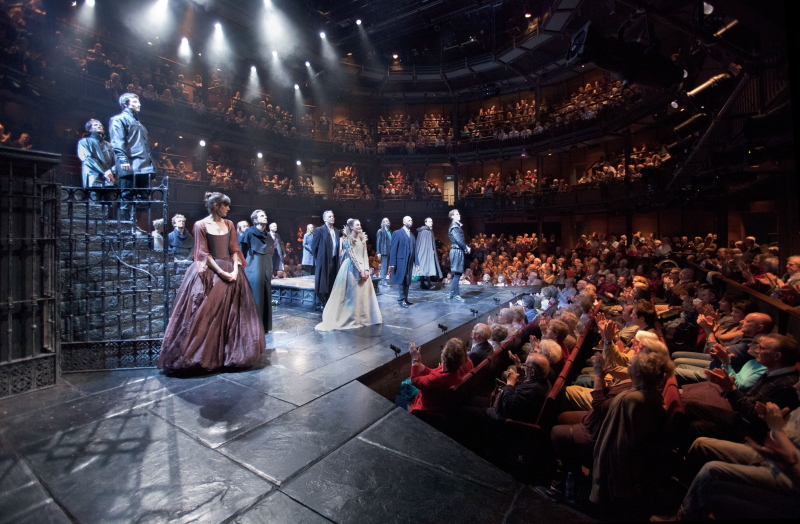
<point>298,439</point>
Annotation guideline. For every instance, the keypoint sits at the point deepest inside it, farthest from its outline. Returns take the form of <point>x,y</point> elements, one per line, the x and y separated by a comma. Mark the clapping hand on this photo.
<point>722,354</point>
<point>601,321</point>
<point>534,344</point>
<point>783,458</point>
<point>773,415</point>
<point>414,351</point>
<point>720,378</point>
<point>515,359</point>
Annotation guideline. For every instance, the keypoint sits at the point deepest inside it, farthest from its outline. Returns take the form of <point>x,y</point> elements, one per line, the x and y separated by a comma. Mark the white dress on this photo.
<point>352,302</point>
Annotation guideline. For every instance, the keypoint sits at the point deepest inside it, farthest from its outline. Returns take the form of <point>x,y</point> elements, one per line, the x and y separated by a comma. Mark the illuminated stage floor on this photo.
<point>298,439</point>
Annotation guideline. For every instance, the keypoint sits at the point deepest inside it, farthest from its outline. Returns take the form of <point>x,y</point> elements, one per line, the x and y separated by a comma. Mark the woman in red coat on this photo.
<point>434,384</point>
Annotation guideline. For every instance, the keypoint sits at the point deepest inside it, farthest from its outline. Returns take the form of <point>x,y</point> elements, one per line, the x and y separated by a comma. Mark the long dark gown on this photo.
<point>214,322</point>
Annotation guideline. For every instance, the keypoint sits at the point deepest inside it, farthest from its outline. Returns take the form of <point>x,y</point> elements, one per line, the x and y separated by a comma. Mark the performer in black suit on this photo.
<point>458,248</point>
<point>383,242</point>
<point>325,246</point>
<point>258,248</point>
<point>97,157</point>
<point>403,257</point>
<point>135,165</point>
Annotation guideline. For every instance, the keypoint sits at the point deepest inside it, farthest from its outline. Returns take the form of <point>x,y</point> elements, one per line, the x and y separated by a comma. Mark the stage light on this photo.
<point>202,143</point>
<point>184,51</point>
<point>707,8</point>
<point>74,4</point>
<point>674,104</point>
<point>260,155</point>
<point>527,15</point>
<point>308,64</point>
<point>358,22</point>
<point>296,87</point>
<point>299,163</point>
<point>159,9</point>
<point>90,3</point>
<point>274,54</point>
<point>322,35</point>
<point>395,56</point>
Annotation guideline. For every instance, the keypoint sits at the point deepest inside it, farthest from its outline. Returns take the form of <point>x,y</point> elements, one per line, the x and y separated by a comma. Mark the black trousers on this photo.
<point>323,294</point>
<point>128,185</point>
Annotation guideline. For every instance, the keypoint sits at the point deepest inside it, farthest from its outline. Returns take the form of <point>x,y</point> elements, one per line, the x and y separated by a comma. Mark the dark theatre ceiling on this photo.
<point>469,48</point>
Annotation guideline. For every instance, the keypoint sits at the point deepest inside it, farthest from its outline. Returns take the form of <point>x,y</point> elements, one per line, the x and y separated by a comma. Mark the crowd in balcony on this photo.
<point>613,167</point>
<point>416,185</point>
<point>523,119</point>
<point>6,140</point>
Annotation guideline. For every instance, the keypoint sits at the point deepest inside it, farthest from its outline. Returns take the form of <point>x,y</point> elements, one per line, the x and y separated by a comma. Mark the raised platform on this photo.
<point>296,439</point>
<point>299,291</point>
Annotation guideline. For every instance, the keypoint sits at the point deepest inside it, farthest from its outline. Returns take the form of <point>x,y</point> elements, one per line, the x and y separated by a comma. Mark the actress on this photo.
<point>352,302</point>
<point>214,322</point>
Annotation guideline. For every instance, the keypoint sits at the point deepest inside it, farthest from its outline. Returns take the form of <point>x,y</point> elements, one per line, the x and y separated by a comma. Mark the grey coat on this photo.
<point>426,254</point>
<point>308,255</point>
<point>458,247</point>
<point>97,157</point>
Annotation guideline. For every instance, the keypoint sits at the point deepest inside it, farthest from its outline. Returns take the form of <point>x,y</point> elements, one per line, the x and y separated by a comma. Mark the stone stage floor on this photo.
<point>295,440</point>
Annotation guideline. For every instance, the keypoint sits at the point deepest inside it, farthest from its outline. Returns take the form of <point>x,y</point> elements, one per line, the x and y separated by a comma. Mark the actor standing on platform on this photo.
<point>384,242</point>
<point>135,165</point>
<point>426,255</point>
<point>279,249</point>
<point>325,246</point>
<point>214,323</point>
<point>308,255</point>
<point>458,248</point>
<point>258,248</point>
<point>181,241</point>
<point>97,157</point>
<point>403,256</point>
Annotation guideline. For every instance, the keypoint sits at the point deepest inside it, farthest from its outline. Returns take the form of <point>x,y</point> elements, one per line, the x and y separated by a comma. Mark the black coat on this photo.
<point>402,256</point>
<point>383,241</point>
<point>257,246</point>
<point>324,251</point>
<point>524,401</point>
<point>480,352</point>
<point>129,140</point>
<point>97,157</point>
<point>458,247</point>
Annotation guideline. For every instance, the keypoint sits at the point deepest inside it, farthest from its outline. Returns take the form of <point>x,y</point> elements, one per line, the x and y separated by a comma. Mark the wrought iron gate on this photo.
<point>29,212</point>
<point>115,286</point>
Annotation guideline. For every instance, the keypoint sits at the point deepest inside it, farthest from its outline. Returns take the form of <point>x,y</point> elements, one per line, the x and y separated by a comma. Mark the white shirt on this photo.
<point>333,240</point>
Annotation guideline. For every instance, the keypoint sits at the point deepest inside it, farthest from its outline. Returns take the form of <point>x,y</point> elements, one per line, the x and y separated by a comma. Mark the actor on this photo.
<point>426,254</point>
<point>308,255</point>
<point>97,157</point>
<point>135,165</point>
<point>384,243</point>
<point>403,256</point>
<point>180,240</point>
<point>279,248</point>
<point>325,247</point>
<point>458,249</point>
<point>258,248</point>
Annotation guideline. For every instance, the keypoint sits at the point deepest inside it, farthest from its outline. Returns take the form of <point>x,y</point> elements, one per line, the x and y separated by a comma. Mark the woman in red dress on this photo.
<point>214,322</point>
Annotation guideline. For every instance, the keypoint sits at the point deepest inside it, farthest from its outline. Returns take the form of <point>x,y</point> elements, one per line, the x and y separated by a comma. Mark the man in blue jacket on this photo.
<point>403,259</point>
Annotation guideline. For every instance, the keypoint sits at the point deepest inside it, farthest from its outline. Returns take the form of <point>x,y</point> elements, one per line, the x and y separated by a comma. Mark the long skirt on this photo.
<point>214,323</point>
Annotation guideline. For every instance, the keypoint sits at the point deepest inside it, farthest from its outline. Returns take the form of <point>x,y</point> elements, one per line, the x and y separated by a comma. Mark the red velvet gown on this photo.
<point>214,322</point>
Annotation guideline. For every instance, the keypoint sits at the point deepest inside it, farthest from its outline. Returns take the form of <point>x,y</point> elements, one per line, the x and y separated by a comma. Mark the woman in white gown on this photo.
<point>352,302</point>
